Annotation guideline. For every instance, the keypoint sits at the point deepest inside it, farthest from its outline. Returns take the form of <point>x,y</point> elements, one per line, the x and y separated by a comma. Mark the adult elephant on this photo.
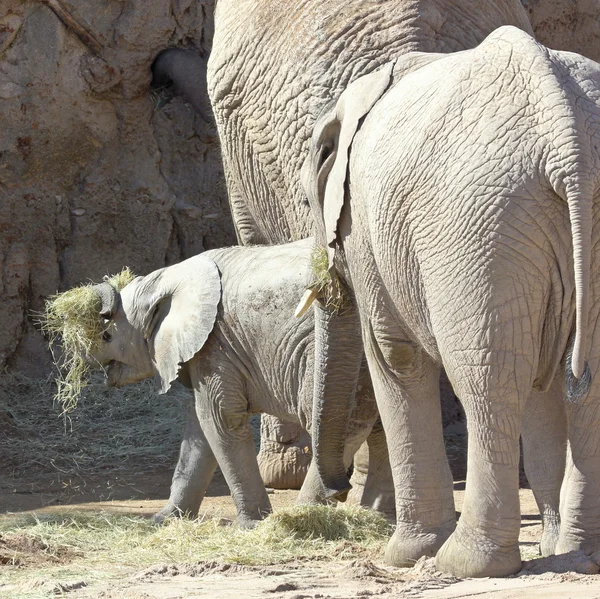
<point>273,68</point>
<point>459,196</point>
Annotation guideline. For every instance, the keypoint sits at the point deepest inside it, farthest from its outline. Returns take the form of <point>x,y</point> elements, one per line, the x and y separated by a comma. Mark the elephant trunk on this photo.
<point>185,71</point>
<point>109,298</point>
<point>338,357</point>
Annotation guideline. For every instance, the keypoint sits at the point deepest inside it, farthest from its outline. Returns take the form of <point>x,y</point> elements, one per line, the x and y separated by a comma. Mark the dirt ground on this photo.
<point>114,456</point>
<point>144,493</point>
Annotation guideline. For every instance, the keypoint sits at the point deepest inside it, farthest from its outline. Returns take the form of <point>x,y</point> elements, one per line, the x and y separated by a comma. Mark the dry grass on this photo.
<point>72,318</point>
<point>96,436</point>
<point>297,533</point>
<point>121,279</point>
<point>331,290</point>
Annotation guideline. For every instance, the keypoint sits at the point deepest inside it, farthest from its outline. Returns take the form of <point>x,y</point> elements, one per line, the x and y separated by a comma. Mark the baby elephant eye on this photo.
<point>106,336</point>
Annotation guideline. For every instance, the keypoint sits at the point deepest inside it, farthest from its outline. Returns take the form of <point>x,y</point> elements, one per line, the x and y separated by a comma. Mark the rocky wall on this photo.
<point>92,177</point>
<point>572,25</point>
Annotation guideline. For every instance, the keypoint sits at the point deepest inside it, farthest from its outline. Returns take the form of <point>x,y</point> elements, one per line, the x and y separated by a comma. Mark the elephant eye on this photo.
<point>106,336</point>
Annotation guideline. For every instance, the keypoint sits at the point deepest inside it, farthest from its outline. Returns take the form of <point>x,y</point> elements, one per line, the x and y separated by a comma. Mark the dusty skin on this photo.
<point>144,494</point>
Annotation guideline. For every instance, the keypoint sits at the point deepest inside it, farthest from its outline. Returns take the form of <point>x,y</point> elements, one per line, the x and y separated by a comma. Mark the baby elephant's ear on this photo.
<point>181,316</point>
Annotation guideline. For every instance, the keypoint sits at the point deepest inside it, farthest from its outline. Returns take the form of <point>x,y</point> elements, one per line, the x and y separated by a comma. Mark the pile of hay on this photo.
<point>73,319</point>
<point>290,534</point>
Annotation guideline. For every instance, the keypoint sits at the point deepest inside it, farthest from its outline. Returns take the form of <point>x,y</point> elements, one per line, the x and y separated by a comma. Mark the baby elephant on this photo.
<point>223,323</point>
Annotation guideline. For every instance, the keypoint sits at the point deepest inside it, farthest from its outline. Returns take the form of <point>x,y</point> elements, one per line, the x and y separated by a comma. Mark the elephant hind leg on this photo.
<point>406,385</point>
<point>372,482</point>
<point>544,435</point>
<point>493,386</point>
<point>580,499</point>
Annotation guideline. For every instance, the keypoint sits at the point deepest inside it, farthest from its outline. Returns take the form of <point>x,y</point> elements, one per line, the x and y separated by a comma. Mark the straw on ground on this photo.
<point>97,541</point>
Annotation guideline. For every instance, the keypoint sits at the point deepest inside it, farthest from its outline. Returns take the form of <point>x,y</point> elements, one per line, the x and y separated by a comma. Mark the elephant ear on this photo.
<point>325,170</point>
<point>330,149</point>
<point>181,315</point>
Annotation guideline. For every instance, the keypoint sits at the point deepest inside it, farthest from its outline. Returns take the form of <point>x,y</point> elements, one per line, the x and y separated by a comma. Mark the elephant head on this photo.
<point>324,172</point>
<point>158,322</point>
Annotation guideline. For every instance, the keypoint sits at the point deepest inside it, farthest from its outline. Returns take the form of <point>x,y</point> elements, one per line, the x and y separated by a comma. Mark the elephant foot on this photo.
<point>172,511</point>
<point>405,548</point>
<point>550,537</point>
<point>472,555</point>
<point>573,542</point>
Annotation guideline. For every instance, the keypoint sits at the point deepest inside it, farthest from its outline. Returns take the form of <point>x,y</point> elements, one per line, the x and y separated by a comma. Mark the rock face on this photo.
<point>572,25</point>
<point>92,177</point>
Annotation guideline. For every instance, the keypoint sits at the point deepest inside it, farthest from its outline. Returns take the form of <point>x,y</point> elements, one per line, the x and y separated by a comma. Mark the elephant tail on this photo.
<point>580,201</point>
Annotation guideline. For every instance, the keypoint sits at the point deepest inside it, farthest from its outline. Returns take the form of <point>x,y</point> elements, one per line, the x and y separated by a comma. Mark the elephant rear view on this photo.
<point>459,194</point>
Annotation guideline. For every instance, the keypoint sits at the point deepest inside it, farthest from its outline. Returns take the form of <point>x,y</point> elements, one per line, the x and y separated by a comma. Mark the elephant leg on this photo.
<point>544,435</point>
<point>359,475</point>
<point>195,469</point>
<point>246,229</point>
<point>285,453</point>
<point>222,410</point>
<point>378,491</point>
<point>406,385</point>
<point>580,499</point>
<point>493,392</point>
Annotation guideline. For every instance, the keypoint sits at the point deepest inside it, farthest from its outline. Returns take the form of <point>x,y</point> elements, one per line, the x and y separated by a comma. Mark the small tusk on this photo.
<point>310,295</point>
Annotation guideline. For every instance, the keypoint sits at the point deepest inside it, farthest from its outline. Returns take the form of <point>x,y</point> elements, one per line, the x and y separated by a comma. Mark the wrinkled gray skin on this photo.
<point>223,322</point>
<point>273,67</point>
<point>285,453</point>
<point>463,220</point>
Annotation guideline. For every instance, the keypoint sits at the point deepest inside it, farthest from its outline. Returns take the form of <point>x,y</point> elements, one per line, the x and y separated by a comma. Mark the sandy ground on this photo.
<point>144,495</point>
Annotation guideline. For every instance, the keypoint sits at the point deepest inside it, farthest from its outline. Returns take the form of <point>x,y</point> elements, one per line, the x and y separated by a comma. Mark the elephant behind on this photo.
<point>459,194</point>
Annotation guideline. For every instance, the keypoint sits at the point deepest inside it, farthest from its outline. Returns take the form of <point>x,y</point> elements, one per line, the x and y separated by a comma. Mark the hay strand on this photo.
<point>72,318</point>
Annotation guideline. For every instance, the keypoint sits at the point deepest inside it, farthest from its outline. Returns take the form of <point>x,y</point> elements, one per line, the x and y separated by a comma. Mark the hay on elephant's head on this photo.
<point>331,290</point>
<point>73,319</point>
